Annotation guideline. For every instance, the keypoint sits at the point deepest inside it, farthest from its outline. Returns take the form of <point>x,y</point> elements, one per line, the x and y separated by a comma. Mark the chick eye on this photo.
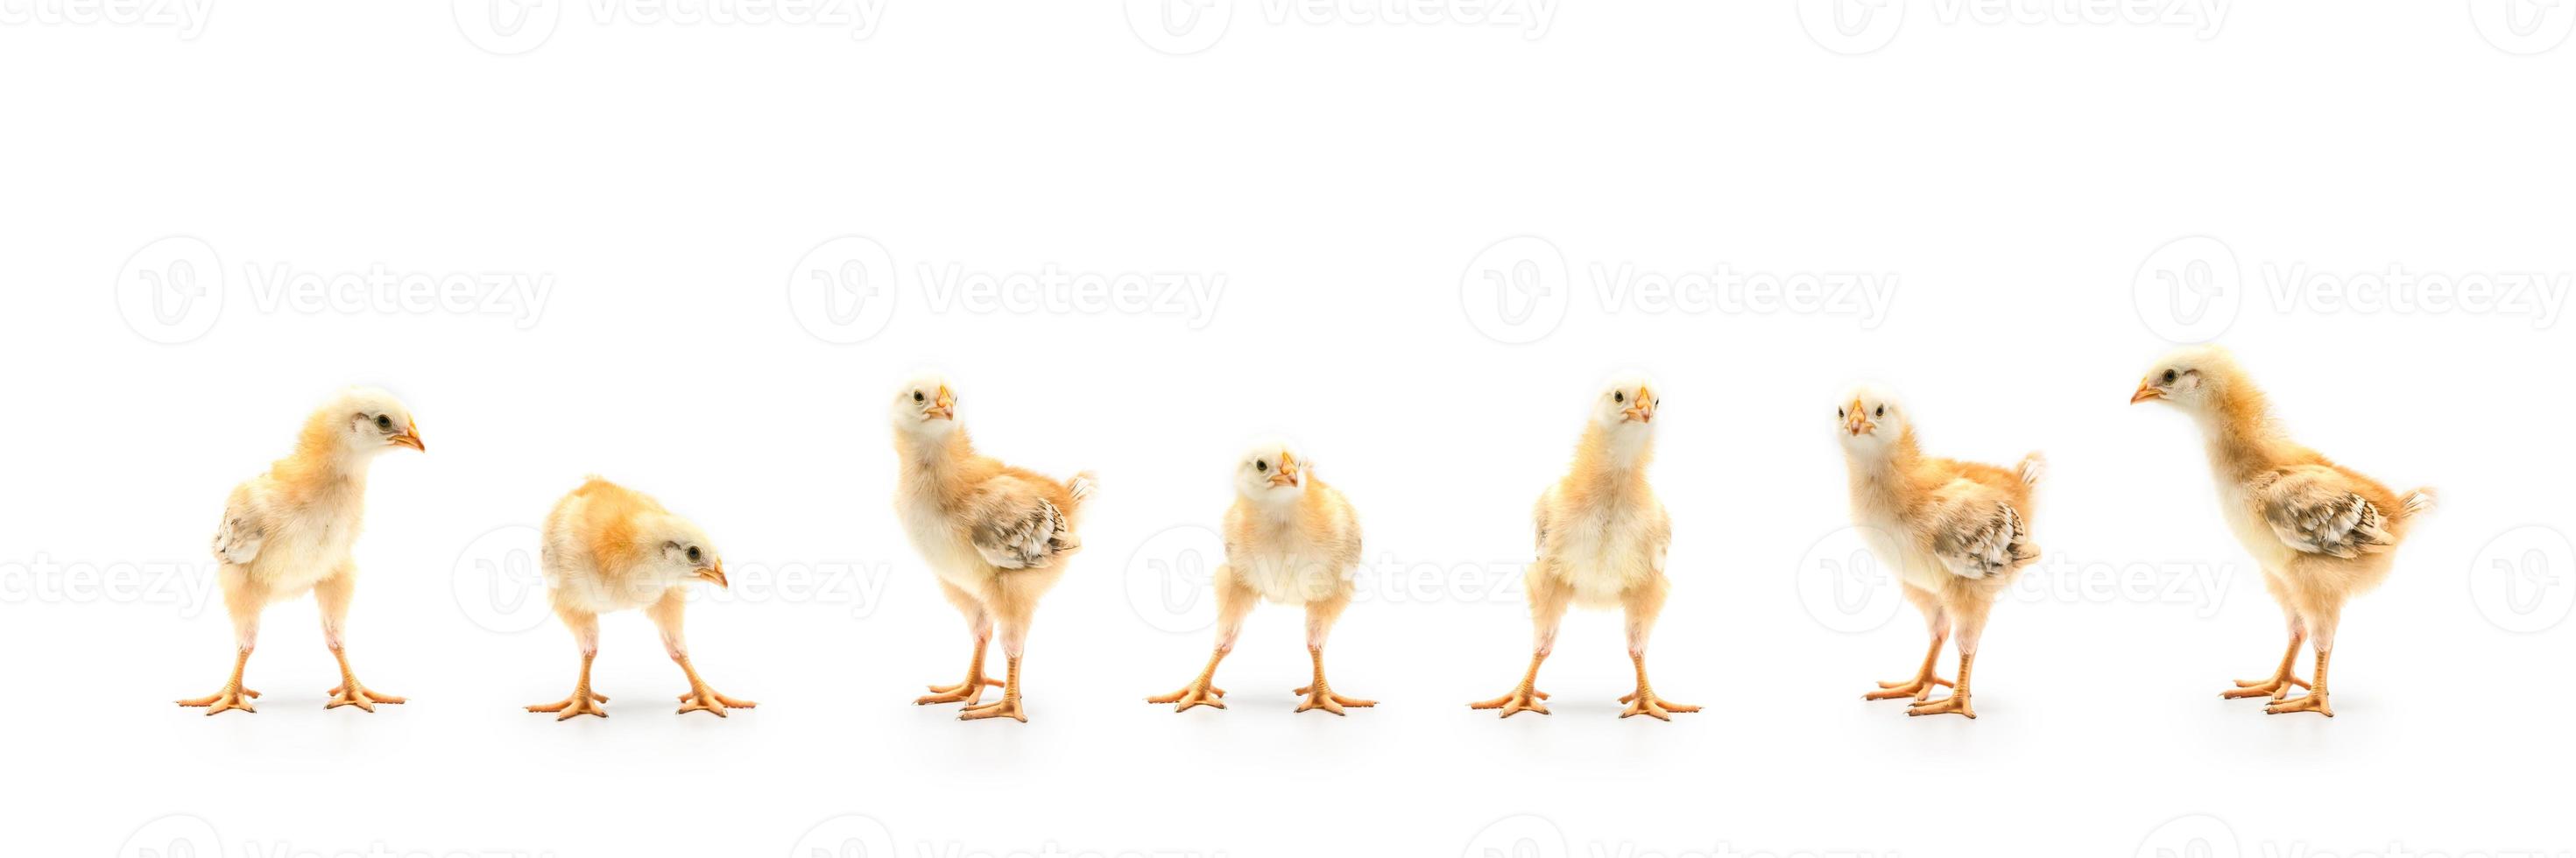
<point>1619,397</point>
<point>2169,376</point>
<point>693,554</point>
<point>1882,411</point>
<point>385,423</point>
<point>1260,465</point>
<point>916,396</point>
<point>1839,413</point>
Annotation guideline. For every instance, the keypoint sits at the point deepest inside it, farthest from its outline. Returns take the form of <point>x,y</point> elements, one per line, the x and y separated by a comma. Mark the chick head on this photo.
<point>1868,418</point>
<point>1272,471</point>
<point>926,405</point>
<point>1627,403</point>
<point>2189,379</point>
<point>680,552</point>
<point>364,421</point>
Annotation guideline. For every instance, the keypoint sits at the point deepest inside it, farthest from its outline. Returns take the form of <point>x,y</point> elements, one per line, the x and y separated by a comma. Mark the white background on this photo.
<point>2015,176</point>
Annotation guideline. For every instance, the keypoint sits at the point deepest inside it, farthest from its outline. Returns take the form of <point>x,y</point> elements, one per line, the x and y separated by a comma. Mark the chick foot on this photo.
<point>1522,698</point>
<point>967,692</point>
<point>582,702</point>
<point>1321,696</point>
<point>1919,688</point>
<point>1955,704</point>
<point>1197,693</point>
<point>2310,702</point>
<point>1007,707</point>
<point>232,697</point>
<point>2276,687</point>
<point>363,699</point>
<point>706,699</point>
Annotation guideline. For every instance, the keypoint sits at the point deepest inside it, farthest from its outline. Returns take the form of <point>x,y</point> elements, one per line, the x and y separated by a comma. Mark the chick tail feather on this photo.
<point>2032,467</point>
<point>2421,500</point>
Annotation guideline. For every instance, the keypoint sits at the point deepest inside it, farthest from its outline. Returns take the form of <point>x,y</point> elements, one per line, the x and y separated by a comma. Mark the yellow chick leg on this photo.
<point>582,701</point>
<point>2283,679</point>
<point>702,698</point>
<point>1644,701</point>
<point>967,692</point>
<point>1525,696</point>
<point>1320,695</point>
<point>352,693</point>
<point>1008,706</point>
<point>1200,691</point>
<point>1957,702</point>
<point>1925,678</point>
<point>2313,701</point>
<point>234,696</point>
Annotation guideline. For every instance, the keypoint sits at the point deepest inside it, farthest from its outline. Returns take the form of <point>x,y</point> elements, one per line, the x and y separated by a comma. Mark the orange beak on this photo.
<point>945,405</point>
<point>1856,419</point>
<point>715,574</point>
<point>1288,473</point>
<point>2145,392</point>
<point>411,438</point>
<point>1641,408</point>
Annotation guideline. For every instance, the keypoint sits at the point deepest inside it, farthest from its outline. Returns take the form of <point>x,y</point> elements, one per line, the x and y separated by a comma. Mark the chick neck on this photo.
<point>1877,473</point>
<point>2236,423</point>
<point>1612,453</point>
<point>934,452</point>
<point>323,453</point>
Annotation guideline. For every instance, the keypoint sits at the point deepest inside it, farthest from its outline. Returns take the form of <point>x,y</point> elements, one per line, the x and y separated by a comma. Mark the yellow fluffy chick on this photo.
<point>2322,532</point>
<point>997,537</point>
<point>1602,536</point>
<point>1955,532</point>
<point>290,530</point>
<point>610,548</point>
<point>1291,539</point>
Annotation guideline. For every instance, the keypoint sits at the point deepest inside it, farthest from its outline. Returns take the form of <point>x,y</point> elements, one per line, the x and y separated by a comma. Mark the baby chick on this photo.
<point>1602,536</point>
<point>1956,533</point>
<point>2322,532</point>
<point>1293,540</point>
<point>290,530</point>
<point>997,537</point>
<point>610,548</point>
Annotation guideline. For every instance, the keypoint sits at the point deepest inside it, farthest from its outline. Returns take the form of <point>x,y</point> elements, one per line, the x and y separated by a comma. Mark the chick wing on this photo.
<point>1974,530</point>
<point>1014,525</point>
<point>245,525</point>
<point>2318,510</point>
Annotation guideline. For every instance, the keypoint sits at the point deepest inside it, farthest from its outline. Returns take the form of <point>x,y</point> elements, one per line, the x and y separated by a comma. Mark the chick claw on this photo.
<point>230,698</point>
<point>696,700</point>
<point>580,703</point>
<point>1198,693</point>
<point>364,699</point>
<point>1646,703</point>
<point>1951,705</point>
<point>1328,701</point>
<point>967,692</point>
<point>1522,698</point>
<point>2276,687</point>
<point>1007,707</point>
<point>1919,688</point>
<point>2310,702</point>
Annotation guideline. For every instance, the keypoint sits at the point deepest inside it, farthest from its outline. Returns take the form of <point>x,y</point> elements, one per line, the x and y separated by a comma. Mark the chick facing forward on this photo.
<point>290,530</point>
<point>610,548</point>
<point>1602,537</point>
<point>997,537</point>
<point>1290,539</point>
<point>1956,533</point>
<point>2322,532</point>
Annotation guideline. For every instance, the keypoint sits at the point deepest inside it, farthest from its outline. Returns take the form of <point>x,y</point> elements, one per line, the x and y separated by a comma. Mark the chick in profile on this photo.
<point>1957,533</point>
<point>997,537</point>
<point>2322,532</point>
<point>1602,537</point>
<point>610,548</point>
<point>1293,540</point>
<point>290,530</point>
